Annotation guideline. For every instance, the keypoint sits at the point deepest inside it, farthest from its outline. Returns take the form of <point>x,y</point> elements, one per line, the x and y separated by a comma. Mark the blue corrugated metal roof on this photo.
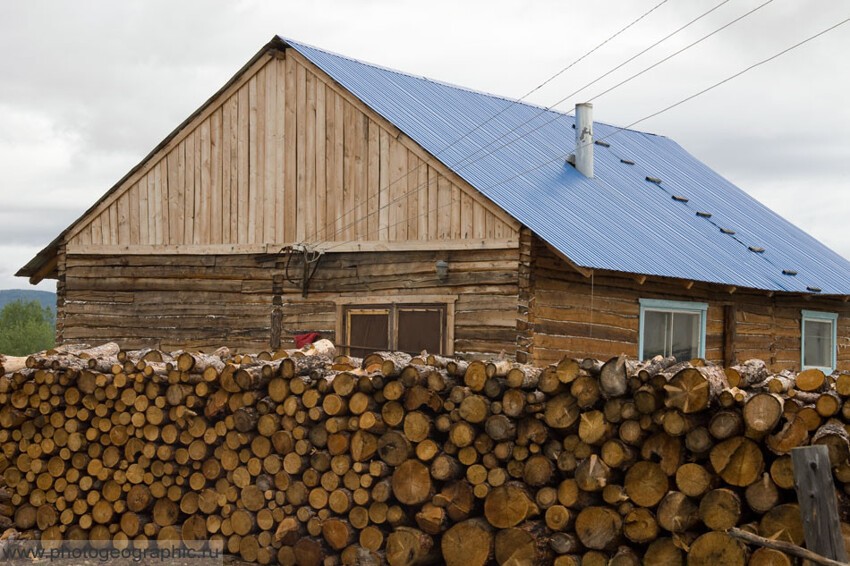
<point>617,221</point>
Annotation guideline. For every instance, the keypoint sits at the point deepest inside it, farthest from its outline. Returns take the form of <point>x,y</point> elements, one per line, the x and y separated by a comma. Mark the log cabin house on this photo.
<point>316,193</point>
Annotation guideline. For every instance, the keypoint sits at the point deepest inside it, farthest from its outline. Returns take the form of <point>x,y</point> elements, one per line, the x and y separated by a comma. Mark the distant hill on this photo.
<point>46,298</point>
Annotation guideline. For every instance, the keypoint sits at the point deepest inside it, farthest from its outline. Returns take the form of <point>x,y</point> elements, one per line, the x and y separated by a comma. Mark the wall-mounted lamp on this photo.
<point>442,268</point>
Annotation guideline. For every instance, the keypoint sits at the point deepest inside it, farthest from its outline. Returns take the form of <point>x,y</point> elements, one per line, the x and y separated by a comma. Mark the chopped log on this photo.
<point>691,389</point>
<point>738,461</point>
<point>715,548</point>
<point>677,513</point>
<point>468,543</point>
<point>509,505</point>
<point>411,482</point>
<point>762,412</point>
<point>599,528</point>
<point>720,509</point>
<point>408,547</point>
<point>526,544</point>
<point>646,483</point>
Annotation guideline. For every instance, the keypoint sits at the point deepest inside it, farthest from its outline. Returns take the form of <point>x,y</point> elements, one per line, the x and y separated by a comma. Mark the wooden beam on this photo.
<point>688,284</point>
<point>731,289</point>
<point>327,247</point>
<point>641,279</point>
<point>583,270</point>
<point>782,546</point>
<point>730,314</point>
<point>44,270</point>
<point>818,506</point>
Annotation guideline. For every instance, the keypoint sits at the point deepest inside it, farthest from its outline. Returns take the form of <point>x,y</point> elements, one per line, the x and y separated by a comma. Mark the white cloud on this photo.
<point>89,89</point>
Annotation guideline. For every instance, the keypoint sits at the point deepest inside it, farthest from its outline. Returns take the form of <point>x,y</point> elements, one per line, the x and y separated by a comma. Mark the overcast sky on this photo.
<point>88,88</point>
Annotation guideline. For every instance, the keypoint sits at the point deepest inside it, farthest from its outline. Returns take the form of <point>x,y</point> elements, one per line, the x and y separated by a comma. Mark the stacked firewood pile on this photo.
<point>302,458</point>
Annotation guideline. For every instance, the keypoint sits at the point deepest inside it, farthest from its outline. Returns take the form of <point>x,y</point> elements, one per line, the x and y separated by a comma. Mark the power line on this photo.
<point>700,40</point>
<point>506,108</point>
<point>464,163</point>
<point>620,129</point>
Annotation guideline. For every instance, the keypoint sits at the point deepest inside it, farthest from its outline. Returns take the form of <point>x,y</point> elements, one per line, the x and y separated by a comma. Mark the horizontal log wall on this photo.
<point>287,155</point>
<point>193,301</point>
<point>577,316</point>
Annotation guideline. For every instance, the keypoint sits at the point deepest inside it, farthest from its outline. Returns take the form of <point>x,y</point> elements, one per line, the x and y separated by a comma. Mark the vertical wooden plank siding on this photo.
<point>423,190</point>
<point>373,180</point>
<point>197,216</point>
<point>279,66</point>
<point>347,200</point>
<point>225,173</point>
<point>300,152</point>
<point>133,214</point>
<point>253,162</point>
<point>397,204</point>
<point>384,194</point>
<point>189,192</point>
<point>159,217</point>
<point>177,234</point>
<point>243,209</point>
<point>321,155</point>
<point>203,221</point>
<point>269,196</point>
<point>412,197</point>
<point>173,204</point>
<point>335,232</point>
<point>259,140</point>
<point>113,224</point>
<point>290,190</point>
<point>361,149</point>
<point>144,215</point>
<point>232,165</point>
<point>124,219</point>
<point>289,156</point>
<point>308,220</point>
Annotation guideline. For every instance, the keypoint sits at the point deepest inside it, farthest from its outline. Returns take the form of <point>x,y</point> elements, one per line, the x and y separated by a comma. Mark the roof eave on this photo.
<point>39,267</point>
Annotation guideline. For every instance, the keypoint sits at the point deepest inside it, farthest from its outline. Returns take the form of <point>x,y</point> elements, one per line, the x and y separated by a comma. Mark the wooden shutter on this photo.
<point>421,328</point>
<point>368,331</point>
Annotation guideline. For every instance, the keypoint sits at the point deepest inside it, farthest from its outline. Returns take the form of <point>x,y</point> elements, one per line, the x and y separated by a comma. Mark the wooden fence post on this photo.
<point>818,505</point>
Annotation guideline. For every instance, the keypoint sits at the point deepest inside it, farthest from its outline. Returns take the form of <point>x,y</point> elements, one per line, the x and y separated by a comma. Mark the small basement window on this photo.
<point>820,330</point>
<point>407,328</point>
<point>672,328</point>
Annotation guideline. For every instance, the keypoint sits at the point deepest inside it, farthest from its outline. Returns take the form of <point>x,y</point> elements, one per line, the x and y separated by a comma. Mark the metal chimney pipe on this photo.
<point>584,139</point>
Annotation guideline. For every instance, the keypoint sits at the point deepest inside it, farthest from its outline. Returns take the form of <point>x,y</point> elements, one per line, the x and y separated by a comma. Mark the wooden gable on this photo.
<point>284,155</point>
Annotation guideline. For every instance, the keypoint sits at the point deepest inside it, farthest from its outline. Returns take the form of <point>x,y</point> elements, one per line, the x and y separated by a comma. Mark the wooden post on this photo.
<point>730,313</point>
<point>818,506</point>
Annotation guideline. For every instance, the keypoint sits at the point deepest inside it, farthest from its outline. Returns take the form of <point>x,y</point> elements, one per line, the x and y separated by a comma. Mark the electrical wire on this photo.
<point>506,108</point>
<point>461,165</point>
<point>618,130</point>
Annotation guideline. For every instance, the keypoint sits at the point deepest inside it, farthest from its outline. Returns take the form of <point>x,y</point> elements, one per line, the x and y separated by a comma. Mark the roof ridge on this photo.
<point>294,42</point>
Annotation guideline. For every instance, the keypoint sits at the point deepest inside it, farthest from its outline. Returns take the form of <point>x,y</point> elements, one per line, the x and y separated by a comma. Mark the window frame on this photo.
<point>819,316</point>
<point>344,303</point>
<point>673,307</point>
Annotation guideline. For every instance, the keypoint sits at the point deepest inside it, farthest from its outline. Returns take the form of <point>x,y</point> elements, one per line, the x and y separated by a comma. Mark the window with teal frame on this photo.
<point>672,328</point>
<point>818,344</point>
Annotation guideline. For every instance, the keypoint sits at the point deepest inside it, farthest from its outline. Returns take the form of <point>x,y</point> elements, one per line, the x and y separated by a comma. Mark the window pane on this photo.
<point>656,327</point>
<point>817,351</point>
<point>686,334</point>
<point>368,332</point>
<point>420,329</point>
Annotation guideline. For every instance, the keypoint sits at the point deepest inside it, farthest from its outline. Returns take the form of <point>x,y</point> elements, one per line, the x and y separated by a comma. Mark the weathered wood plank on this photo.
<point>319,164</point>
<point>384,191</point>
<point>189,192</point>
<point>311,196</point>
<point>259,139</point>
<point>301,152</point>
<point>253,163</point>
<point>269,195</point>
<point>290,190</point>
<point>818,505</point>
